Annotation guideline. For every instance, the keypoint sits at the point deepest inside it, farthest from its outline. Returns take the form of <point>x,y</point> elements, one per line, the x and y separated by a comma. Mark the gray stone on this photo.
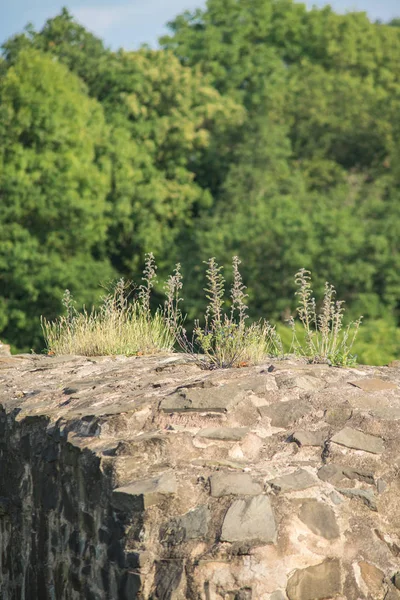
<point>381,486</point>
<point>215,399</point>
<point>320,518</point>
<point>249,520</point>
<point>359,474</point>
<point>224,484</point>
<point>338,415</point>
<point>352,438</point>
<point>365,495</point>
<point>373,384</point>
<point>195,523</point>
<point>144,493</point>
<point>335,473</point>
<point>298,480</point>
<point>190,526</point>
<point>386,413</point>
<point>331,473</point>
<point>335,498</point>
<point>284,414</point>
<point>277,596</point>
<point>225,434</point>
<point>396,580</point>
<point>309,438</point>
<point>317,582</point>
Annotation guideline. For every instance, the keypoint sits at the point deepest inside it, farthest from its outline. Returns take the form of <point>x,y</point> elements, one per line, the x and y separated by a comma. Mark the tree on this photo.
<point>54,181</point>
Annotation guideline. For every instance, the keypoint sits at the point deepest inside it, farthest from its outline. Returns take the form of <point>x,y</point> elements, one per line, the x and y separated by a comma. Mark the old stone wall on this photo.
<point>149,478</point>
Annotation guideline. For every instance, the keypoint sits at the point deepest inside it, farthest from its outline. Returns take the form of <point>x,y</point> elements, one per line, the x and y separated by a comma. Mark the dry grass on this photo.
<point>326,338</point>
<point>119,326</point>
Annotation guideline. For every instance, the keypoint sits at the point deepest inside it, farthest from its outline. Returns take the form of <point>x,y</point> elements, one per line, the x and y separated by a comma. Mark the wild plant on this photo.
<point>325,337</point>
<point>121,325</point>
<point>224,340</point>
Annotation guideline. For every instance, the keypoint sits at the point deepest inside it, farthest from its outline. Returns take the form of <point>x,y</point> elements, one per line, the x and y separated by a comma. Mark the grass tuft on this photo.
<point>119,326</point>
<point>325,337</point>
<point>224,340</point>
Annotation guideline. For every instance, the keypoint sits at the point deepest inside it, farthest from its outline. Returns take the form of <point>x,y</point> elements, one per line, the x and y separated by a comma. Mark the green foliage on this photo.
<point>54,180</point>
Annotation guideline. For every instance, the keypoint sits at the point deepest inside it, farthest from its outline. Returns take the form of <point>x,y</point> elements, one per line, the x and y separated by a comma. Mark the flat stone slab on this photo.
<point>317,582</point>
<point>365,496</point>
<point>309,438</point>
<point>320,519</point>
<point>374,385</point>
<point>298,480</point>
<point>249,520</point>
<point>224,434</point>
<point>353,438</point>
<point>224,484</point>
<point>214,399</point>
<point>284,414</point>
<point>146,492</point>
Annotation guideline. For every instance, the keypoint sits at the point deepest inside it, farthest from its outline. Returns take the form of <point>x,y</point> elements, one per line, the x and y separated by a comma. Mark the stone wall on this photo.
<point>149,478</point>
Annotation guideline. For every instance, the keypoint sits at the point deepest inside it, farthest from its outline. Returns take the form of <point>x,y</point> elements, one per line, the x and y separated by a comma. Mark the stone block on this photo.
<point>249,520</point>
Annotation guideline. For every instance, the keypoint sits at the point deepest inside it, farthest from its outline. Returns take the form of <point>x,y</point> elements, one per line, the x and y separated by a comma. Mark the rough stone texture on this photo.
<point>148,477</point>
<point>358,440</point>
<point>250,520</point>
<point>224,484</point>
<point>317,582</point>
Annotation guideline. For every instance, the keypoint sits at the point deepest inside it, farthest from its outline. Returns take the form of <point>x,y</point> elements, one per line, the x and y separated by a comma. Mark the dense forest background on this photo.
<point>260,128</point>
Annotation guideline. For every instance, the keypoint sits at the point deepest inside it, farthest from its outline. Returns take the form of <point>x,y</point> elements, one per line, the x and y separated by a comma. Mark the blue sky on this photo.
<point>130,23</point>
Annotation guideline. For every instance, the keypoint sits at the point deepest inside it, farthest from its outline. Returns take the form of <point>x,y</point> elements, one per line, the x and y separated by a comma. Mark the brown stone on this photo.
<point>320,519</point>
<point>317,582</point>
<point>373,579</point>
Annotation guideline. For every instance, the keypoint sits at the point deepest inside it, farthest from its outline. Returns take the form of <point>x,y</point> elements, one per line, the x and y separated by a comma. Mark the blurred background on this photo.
<point>263,128</point>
